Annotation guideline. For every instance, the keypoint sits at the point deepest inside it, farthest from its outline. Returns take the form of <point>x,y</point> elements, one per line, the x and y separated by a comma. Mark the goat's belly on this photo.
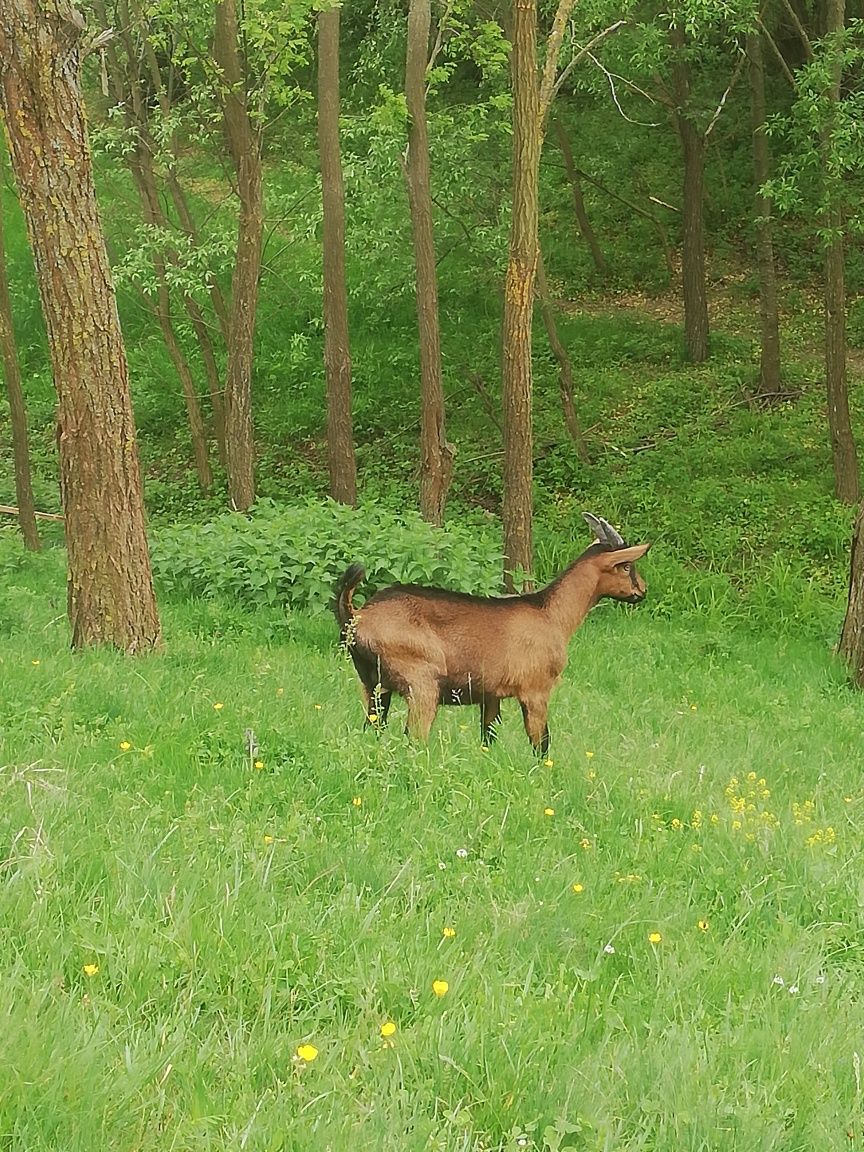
<point>461,691</point>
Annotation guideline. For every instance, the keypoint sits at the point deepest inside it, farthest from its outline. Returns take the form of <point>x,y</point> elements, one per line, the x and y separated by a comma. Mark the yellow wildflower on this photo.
<point>589,754</point>
<point>448,933</point>
<point>218,706</point>
<point>317,707</point>
<point>585,843</point>
<point>357,801</point>
<point>307,1053</point>
<point>440,988</point>
<point>259,764</point>
<point>577,888</point>
<point>387,1028</point>
<point>654,937</point>
<point>548,811</point>
<point>702,925</point>
<point>268,839</point>
<point>549,763</point>
<point>125,745</point>
<point>91,969</point>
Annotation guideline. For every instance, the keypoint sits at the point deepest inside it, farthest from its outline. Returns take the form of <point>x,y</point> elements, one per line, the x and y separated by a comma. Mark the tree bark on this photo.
<point>852,636</point>
<point>696,328</point>
<point>587,232</point>
<point>769,367</point>
<point>110,591</point>
<point>517,375</point>
<point>843,451</point>
<point>244,143</point>
<point>436,455</point>
<point>565,372</point>
<point>17,409</point>
<point>337,352</point>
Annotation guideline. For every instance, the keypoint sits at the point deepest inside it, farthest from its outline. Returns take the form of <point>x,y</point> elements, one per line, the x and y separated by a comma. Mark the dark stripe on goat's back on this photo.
<point>537,599</point>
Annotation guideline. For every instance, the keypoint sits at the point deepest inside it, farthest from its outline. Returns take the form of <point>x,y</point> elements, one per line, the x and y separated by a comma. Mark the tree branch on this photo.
<point>586,51</point>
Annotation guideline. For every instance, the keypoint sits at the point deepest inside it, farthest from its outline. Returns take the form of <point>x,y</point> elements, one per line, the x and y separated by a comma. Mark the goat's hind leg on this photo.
<point>423,698</point>
<point>534,713</point>
<point>490,719</point>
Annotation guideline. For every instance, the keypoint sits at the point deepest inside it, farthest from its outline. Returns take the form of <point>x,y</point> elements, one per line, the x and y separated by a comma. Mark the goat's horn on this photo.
<point>596,526</point>
<point>614,538</point>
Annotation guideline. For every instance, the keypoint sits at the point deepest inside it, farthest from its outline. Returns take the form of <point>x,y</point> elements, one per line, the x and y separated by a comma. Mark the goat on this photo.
<point>437,647</point>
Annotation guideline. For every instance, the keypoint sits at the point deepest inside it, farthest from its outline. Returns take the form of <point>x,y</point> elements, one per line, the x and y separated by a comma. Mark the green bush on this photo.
<point>294,554</point>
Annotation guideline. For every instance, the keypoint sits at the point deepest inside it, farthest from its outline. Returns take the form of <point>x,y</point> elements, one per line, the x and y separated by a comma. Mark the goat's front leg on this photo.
<point>490,718</point>
<point>534,712</point>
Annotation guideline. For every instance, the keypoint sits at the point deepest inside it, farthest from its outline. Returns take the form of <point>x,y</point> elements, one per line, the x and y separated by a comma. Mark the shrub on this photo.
<point>294,554</point>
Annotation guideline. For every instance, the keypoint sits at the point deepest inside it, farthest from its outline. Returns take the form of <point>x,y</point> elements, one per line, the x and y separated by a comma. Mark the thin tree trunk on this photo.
<point>126,85</point>
<point>211,371</point>
<point>436,455</point>
<point>517,373</point>
<point>337,352</point>
<point>852,636</point>
<point>197,430</point>
<point>17,409</point>
<point>696,328</point>
<point>843,452</point>
<point>187,223</point>
<point>769,369</point>
<point>110,591</point>
<point>565,372</point>
<point>587,232</point>
<point>244,143</point>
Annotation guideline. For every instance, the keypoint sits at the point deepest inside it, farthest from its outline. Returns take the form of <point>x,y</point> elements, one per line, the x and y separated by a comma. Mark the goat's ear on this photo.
<point>625,555</point>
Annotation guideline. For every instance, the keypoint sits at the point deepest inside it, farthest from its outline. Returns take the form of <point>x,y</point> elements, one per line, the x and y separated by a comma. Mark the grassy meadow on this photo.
<point>343,941</point>
<point>651,941</point>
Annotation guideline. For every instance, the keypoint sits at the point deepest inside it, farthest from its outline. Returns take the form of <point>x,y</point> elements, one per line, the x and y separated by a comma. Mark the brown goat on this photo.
<point>438,647</point>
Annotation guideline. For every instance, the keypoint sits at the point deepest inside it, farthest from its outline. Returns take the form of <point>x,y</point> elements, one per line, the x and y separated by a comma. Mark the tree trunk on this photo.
<point>843,452</point>
<point>769,368</point>
<point>696,331</point>
<point>587,232</point>
<point>244,144</point>
<point>17,410</point>
<point>565,372</point>
<point>436,455</point>
<point>852,636</point>
<point>110,591</point>
<point>517,378</point>
<point>126,86</point>
<point>337,352</point>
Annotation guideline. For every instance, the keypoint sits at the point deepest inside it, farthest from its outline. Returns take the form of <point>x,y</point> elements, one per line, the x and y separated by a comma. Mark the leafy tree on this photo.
<point>820,178</point>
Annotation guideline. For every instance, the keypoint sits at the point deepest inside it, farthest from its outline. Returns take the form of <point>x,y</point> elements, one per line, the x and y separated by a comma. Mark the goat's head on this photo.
<point>615,563</point>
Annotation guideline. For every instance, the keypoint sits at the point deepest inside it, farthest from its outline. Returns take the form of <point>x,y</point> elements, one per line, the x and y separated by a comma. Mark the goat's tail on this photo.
<point>342,605</point>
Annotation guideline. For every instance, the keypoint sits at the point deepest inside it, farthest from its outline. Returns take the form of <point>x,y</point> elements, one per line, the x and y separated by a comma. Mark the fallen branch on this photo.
<point>10,511</point>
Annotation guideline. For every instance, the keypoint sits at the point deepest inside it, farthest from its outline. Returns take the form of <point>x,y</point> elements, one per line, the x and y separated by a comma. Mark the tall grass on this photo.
<point>653,941</point>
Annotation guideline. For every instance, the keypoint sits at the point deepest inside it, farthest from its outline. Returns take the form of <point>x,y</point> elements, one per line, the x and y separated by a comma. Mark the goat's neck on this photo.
<point>571,597</point>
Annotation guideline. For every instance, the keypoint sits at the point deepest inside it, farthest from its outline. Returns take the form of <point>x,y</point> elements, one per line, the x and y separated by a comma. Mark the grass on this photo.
<point>178,921</point>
